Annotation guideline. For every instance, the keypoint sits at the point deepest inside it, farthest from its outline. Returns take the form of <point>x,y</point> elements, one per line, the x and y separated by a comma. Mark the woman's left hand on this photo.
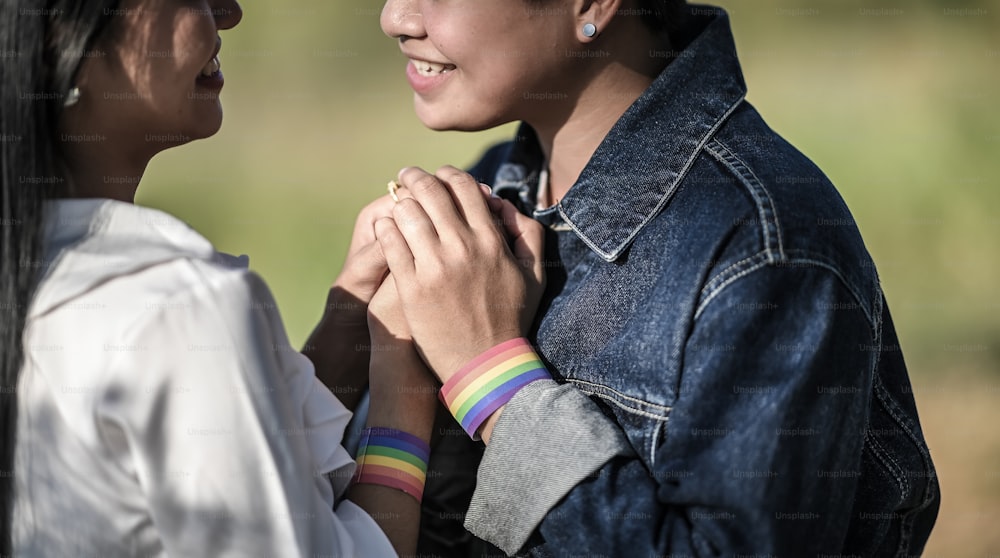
<point>466,282</point>
<point>364,267</point>
<point>338,346</point>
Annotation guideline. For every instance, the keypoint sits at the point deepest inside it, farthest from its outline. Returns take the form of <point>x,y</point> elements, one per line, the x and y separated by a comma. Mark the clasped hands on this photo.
<point>448,272</point>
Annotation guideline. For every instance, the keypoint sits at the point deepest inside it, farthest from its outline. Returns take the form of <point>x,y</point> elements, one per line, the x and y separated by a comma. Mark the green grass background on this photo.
<point>896,101</point>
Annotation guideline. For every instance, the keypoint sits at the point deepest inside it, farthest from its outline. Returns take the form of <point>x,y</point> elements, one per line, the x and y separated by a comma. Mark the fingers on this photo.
<point>395,248</point>
<point>402,193</point>
<point>413,223</point>
<point>496,204</point>
<point>364,225</point>
<point>435,199</point>
<point>371,260</point>
<point>468,196</point>
<point>526,235</point>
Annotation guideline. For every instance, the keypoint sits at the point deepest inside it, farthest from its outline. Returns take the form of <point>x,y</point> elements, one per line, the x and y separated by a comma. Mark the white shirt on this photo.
<point>162,410</point>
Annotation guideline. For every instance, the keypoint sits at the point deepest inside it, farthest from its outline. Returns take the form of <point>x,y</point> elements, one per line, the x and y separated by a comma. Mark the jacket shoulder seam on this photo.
<point>766,211</point>
<point>725,278</point>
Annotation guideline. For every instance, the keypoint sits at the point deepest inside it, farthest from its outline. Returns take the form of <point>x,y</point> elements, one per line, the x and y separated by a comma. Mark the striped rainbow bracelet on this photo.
<point>392,458</point>
<point>489,381</point>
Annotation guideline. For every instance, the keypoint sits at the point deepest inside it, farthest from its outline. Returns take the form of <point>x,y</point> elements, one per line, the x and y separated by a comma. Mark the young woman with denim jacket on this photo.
<point>707,286</point>
<point>151,402</point>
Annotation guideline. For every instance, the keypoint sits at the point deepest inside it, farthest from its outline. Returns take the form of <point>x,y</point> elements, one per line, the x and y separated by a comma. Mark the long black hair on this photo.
<point>41,46</point>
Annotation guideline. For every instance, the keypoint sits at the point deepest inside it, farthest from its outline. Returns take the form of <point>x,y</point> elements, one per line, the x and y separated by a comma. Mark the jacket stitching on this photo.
<point>617,250</point>
<point>762,199</point>
<point>725,278</point>
<point>729,275</point>
<point>878,337</point>
<point>805,257</point>
<point>614,396</point>
<point>654,440</point>
<point>664,408</point>
<point>892,408</point>
<point>890,464</point>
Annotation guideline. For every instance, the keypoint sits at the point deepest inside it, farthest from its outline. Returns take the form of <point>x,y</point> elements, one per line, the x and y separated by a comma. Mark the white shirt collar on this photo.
<point>91,241</point>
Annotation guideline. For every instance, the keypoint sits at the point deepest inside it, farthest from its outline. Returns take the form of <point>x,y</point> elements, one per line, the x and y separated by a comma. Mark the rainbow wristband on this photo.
<point>392,458</point>
<point>490,381</point>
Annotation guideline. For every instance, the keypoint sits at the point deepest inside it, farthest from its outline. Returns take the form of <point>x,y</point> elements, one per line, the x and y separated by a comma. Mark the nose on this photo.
<point>228,13</point>
<point>402,19</point>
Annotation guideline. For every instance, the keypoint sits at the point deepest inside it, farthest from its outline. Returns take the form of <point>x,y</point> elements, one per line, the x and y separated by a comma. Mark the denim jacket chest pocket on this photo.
<point>599,329</point>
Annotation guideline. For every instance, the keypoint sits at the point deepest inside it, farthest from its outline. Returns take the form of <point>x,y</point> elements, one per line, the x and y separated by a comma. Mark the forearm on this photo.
<point>396,512</point>
<point>339,347</point>
<point>407,406</point>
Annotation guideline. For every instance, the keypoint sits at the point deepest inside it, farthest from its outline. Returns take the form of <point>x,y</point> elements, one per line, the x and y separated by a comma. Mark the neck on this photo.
<point>569,145</point>
<point>98,171</point>
<point>569,141</point>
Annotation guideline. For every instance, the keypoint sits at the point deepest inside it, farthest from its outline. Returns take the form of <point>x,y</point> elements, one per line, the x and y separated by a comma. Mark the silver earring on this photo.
<point>589,29</point>
<point>72,97</point>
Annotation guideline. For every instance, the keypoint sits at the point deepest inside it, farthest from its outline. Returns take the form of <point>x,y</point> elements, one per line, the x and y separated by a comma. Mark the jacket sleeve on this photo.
<point>549,438</point>
<point>235,443</point>
<point>762,449</point>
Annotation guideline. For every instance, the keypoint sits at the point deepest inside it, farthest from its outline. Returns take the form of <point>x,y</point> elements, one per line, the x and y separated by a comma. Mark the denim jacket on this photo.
<point>710,290</point>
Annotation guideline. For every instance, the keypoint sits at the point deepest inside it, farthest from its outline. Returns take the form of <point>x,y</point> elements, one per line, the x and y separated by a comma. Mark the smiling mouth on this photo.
<point>430,69</point>
<point>212,67</point>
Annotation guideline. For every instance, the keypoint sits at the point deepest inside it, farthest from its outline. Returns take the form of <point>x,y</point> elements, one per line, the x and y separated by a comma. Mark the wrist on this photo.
<point>456,355</point>
<point>408,416</point>
<point>390,354</point>
<point>483,386</point>
<point>403,393</point>
<point>393,458</point>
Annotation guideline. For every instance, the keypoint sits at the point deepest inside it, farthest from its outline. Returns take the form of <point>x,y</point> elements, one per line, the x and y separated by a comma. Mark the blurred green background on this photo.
<point>896,101</point>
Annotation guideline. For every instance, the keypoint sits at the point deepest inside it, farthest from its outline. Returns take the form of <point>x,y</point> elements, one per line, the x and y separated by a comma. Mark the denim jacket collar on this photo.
<point>660,134</point>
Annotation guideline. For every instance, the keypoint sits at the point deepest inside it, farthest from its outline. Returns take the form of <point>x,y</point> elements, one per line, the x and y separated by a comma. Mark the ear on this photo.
<point>598,13</point>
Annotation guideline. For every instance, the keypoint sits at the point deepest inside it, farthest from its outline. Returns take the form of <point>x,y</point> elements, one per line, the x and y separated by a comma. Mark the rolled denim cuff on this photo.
<point>549,438</point>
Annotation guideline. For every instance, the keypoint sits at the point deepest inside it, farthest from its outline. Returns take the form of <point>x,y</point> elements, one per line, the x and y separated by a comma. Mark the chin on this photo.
<point>441,121</point>
<point>183,136</point>
<point>208,126</point>
<point>209,130</point>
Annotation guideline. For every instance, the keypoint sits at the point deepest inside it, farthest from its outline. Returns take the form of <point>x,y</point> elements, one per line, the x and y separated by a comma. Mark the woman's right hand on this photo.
<point>463,289</point>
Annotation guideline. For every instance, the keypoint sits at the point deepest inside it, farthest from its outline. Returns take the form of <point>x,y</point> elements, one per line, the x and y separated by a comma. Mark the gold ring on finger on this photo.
<point>393,188</point>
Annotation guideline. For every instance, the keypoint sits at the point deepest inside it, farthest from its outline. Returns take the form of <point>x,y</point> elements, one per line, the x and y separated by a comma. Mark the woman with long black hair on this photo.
<point>151,402</point>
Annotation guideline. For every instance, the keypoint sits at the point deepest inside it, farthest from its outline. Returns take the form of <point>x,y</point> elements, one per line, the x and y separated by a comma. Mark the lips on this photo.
<point>210,76</point>
<point>213,66</point>
<point>430,69</point>
<point>426,76</point>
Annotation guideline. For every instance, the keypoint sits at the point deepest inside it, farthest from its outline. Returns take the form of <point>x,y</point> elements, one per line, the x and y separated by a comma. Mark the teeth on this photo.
<point>212,67</point>
<point>425,68</point>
